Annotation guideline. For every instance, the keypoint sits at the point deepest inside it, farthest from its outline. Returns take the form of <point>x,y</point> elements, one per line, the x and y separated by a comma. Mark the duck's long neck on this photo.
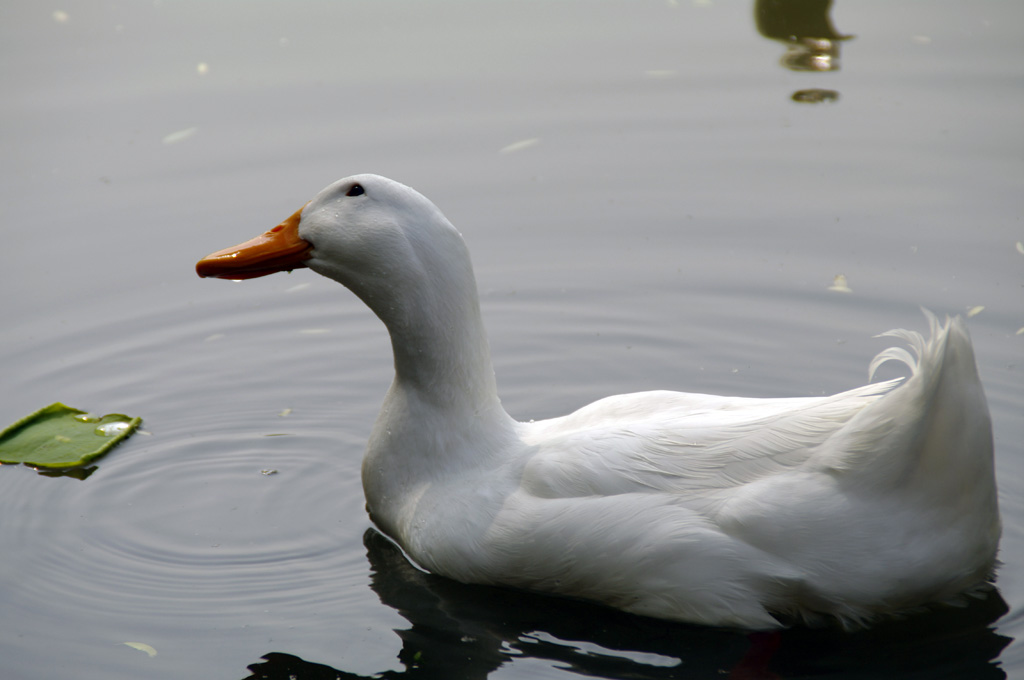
<point>440,348</point>
<point>441,416</point>
<point>432,313</point>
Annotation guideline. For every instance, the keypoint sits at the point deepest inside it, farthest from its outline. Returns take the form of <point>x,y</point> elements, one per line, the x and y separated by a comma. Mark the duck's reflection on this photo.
<point>465,632</point>
<point>812,42</point>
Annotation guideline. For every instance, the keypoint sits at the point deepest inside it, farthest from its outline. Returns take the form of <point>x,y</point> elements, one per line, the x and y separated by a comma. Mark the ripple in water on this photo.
<point>183,524</point>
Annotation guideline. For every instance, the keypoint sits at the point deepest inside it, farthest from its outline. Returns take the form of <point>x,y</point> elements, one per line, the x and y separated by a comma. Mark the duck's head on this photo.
<point>394,249</point>
<point>359,230</point>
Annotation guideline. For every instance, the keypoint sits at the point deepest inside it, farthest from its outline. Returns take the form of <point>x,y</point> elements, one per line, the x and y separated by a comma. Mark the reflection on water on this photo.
<point>79,473</point>
<point>469,631</point>
<point>815,95</point>
<point>812,42</point>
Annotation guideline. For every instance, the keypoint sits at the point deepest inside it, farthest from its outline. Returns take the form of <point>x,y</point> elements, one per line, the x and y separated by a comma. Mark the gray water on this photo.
<point>647,207</point>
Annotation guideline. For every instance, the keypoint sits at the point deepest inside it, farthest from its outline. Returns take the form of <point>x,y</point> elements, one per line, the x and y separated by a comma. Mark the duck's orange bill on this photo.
<point>277,250</point>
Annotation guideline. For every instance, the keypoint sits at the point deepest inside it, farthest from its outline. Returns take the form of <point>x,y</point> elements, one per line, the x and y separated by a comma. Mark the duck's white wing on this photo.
<point>677,442</point>
<point>932,431</point>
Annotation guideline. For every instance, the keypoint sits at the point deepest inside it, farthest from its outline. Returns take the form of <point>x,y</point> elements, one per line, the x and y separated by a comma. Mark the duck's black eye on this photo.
<point>355,190</point>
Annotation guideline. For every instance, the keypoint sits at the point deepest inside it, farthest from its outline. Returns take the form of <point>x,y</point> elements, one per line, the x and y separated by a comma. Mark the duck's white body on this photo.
<point>714,510</point>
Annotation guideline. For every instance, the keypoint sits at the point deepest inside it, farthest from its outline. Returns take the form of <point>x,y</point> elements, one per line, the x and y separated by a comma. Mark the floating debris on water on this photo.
<point>268,472</point>
<point>142,647</point>
<point>1020,247</point>
<point>839,284</point>
<point>180,135</point>
<point>58,436</point>
<point>975,311</point>
<point>285,413</point>
<point>520,145</point>
<point>202,68</point>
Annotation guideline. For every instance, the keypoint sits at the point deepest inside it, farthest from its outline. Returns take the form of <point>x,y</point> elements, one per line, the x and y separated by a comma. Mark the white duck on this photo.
<point>715,510</point>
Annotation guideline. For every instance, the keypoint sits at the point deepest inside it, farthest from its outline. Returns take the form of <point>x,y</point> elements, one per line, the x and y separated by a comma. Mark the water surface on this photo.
<point>647,207</point>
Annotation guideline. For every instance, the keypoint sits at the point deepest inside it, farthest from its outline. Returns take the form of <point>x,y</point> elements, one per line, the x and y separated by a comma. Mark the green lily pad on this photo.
<point>58,436</point>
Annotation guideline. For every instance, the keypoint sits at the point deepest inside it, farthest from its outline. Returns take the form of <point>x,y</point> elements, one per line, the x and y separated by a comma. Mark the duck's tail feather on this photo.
<point>912,338</point>
<point>932,431</point>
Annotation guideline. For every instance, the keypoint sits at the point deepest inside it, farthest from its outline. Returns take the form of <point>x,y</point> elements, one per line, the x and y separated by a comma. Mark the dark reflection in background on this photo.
<point>466,632</point>
<point>81,472</point>
<point>812,42</point>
